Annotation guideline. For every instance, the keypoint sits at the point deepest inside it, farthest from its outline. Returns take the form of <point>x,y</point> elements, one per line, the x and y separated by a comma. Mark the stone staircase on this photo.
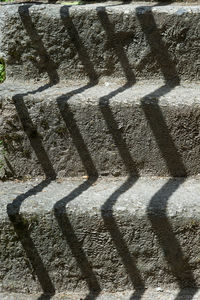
<point>99,152</point>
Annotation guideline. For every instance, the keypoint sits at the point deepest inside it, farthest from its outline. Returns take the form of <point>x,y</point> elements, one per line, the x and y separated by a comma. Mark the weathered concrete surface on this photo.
<point>132,41</point>
<point>99,235</point>
<point>127,295</point>
<point>105,129</point>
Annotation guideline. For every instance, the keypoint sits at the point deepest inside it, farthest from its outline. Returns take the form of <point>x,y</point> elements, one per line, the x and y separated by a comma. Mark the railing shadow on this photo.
<point>165,143</point>
<point>45,65</point>
<point>170,245</point>
<point>116,43</point>
<point>74,131</point>
<point>60,206</point>
<point>107,208</point>
<point>79,45</point>
<point>22,231</point>
<point>19,223</point>
<point>70,236</point>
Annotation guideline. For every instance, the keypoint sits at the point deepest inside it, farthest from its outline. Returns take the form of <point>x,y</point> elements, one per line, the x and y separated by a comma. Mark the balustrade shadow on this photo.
<point>107,208</point>
<point>22,231</point>
<point>150,103</point>
<point>116,43</point>
<point>79,45</point>
<point>19,223</point>
<point>74,244</point>
<point>46,64</point>
<point>166,145</point>
<point>60,211</point>
<point>164,141</point>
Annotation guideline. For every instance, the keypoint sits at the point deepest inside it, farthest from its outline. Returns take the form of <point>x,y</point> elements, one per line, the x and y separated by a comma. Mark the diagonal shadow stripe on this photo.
<point>115,132</point>
<point>72,240</point>
<point>116,44</point>
<point>107,208</point>
<point>21,228</point>
<point>154,115</point>
<point>74,131</point>
<point>158,48</point>
<point>35,140</point>
<point>46,64</point>
<point>60,207</point>
<point>118,240</point>
<point>13,210</point>
<point>79,45</point>
<point>150,105</point>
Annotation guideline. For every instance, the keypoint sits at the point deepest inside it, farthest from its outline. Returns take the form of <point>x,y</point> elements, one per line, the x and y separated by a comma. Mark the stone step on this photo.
<point>100,235</point>
<point>131,41</point>
<point>148,294</point>
<point>107,129</point>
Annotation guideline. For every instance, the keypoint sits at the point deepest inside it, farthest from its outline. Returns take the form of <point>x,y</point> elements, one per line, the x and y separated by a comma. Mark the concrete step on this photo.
<point>131,41</point>
<point>108,129</point>
<point>100,235</point>
<point>148,294</point>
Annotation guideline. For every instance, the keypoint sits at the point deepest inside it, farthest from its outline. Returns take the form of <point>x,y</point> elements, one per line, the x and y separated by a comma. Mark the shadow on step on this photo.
<point>69,234</point>
<point>150,104</point>
<point>22,231</point>
<point>60,207</point>
<point>180,267</point>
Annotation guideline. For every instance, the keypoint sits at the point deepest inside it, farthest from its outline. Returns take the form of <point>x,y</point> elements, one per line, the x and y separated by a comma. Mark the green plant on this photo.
<point>1,152</point>
<point>73,2</point>
<point>2,71</point>
<point>6,0</point>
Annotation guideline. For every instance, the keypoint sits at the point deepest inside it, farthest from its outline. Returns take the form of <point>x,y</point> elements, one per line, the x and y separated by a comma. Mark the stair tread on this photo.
<point>186,93</point>
<point>123,195</point>
<point>155,293</point>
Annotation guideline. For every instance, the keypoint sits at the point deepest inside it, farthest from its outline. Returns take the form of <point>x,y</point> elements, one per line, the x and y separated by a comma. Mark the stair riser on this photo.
<point>86,134</point>
<point>112,236</point>
<point>132,42</point>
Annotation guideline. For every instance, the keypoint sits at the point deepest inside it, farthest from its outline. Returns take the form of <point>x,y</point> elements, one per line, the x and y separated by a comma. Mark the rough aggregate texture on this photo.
<point>150,293</point>
<point>132,41</point>
<point>107,129</point>
<point>99,235</point>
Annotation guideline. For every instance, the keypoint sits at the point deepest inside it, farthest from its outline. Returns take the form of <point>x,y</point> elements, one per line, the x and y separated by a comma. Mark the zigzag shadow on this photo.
<point>166,145</point>
<point>60,212</point>
<point>69,234</point>
<point>19,223</point>
<point>22,231</point>
<point>179,265</point>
